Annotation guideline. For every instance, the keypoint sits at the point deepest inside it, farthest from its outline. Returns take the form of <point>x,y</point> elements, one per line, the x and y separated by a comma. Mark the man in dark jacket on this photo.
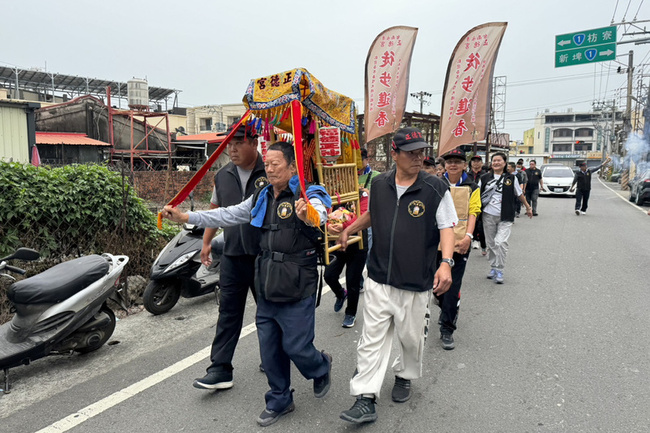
<point>411,213</point>
<point>235,182</point>
<point>286,276</point>
<point>583,179</point>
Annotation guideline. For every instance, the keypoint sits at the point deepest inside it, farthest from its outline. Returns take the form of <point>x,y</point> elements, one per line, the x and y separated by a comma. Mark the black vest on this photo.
<point>583,180</point>
<point>286,268</point>
<point>405,233</point>
<point>508,198</point>
<point>243,239</point>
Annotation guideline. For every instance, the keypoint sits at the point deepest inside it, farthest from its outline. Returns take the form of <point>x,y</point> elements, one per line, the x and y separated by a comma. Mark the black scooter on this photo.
<point>178,271</point>
<point>62,309</point>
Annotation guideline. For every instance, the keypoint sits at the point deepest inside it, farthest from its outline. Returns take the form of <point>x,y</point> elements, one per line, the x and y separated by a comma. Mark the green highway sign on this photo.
<point>589,46</point>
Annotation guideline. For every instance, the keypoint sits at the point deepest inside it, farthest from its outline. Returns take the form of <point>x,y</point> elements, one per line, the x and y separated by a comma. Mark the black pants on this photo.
<point>237,277</point>
<point>582,195</point>
<point>478,232</point>
<point>449,302</point>
<point>354,259</point>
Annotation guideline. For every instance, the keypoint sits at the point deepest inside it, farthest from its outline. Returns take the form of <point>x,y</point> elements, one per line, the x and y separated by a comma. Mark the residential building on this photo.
<point>570,136</point>
<point>213,118</point>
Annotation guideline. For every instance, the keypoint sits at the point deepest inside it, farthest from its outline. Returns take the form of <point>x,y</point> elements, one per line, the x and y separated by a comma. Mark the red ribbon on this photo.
<point>296,112</point>
<point>183,193</point>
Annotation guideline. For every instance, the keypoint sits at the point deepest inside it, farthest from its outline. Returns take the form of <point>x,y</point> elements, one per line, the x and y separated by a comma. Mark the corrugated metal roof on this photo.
<point>72,83</point>
<point>67,138</point>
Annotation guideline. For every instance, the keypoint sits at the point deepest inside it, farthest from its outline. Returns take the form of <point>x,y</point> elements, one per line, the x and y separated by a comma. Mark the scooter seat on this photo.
<point>59,282</point>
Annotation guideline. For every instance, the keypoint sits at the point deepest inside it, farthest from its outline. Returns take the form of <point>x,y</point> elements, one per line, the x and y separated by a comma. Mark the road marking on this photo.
<point>625,199</point>
<point>118,397</point>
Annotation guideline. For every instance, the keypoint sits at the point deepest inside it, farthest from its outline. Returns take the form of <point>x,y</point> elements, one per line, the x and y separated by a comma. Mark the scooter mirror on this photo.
<point>25,254</point>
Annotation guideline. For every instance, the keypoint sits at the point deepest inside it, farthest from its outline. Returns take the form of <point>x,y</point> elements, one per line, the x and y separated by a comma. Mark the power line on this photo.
<point>637,11</point>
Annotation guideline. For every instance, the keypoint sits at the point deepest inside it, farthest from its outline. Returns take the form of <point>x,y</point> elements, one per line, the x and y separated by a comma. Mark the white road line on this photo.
<point>118,397</point>
<point>625,199</point>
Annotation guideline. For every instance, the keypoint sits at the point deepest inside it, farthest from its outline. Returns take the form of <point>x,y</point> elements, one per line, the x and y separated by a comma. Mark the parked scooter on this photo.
<point>62,309</point>
<point>178,270</point>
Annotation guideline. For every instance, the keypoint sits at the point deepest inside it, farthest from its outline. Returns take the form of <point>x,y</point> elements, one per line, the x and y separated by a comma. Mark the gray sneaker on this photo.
<point>401,390</point>
<point>447,341</point>
<point>492,274</point>
<point>362,411</point>
<point>498,278</point>
<point>268,417</point>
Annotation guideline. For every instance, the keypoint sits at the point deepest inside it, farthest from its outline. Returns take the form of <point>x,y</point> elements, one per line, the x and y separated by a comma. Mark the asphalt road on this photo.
<point>562,346</point>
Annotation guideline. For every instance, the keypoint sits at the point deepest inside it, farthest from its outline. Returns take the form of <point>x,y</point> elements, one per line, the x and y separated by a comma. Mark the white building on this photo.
<point>569,136</point>
<point>213,118</point>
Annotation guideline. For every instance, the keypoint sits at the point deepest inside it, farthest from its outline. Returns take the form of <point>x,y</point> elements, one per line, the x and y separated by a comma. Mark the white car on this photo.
<point>557,180</point>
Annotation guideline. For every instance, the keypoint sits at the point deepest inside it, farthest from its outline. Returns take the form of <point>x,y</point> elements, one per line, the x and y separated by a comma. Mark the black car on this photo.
<point>640,188</point>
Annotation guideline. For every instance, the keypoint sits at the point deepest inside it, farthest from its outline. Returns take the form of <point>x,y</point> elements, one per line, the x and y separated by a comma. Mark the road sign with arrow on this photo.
<point>589,46</point>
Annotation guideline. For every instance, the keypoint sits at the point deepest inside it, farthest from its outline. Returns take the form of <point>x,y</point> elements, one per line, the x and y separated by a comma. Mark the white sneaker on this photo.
<point>475,245</point>
<point>577,212</point>
<point>582,212</point>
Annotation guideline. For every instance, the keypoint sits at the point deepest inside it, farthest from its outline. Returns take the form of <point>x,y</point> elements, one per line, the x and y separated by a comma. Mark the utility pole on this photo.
<point>628,106</point>
<point>421,96</point>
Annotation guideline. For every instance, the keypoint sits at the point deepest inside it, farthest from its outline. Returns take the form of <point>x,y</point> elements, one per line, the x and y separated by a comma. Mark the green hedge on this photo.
<point>76,210</point>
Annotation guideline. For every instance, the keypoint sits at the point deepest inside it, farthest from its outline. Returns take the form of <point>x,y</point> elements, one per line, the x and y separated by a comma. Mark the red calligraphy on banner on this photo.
<point>460,128</point>
<point>387,68</point>
<point>467,84</point>
<point>384,99</point>
<point>385,79</point>
<point>382,119</point>
<point>473,61</point>
<point>466,99</point>
<point>388,58</point>
<point>463,106</point>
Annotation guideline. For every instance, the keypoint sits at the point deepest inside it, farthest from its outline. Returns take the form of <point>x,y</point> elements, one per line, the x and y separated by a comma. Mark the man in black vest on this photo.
<point>411,213</point>
<point>583,179</point>
<point>235,182</point>
<point>286,276</point>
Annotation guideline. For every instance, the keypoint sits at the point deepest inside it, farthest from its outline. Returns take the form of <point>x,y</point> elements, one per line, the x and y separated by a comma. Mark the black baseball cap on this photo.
<point>455,153</point>
<point>476,157</point>
<point>409,139</point>
<point>242,131</point>
<point>429,161</point>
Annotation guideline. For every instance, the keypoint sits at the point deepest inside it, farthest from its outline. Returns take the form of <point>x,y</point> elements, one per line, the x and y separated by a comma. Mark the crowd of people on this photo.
<point>419,222</point>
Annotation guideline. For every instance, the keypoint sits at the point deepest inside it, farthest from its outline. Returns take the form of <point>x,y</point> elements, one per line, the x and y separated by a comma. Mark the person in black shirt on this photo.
<point>583,179</point>
<point>534,184</point>
<point>235,182</point>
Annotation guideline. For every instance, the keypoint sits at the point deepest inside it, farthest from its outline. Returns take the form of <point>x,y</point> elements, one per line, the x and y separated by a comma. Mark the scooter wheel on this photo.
<point>160,296</point>
<point>98,338</point>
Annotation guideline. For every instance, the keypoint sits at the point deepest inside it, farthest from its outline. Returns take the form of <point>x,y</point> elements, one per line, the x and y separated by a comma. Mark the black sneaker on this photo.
<point>268,417</point>
<point>214,380</point>
<point>322,384</point>
<point>362,411</point>
<point>338,304</point>
<point>447,341</point>
<point>401,390</point>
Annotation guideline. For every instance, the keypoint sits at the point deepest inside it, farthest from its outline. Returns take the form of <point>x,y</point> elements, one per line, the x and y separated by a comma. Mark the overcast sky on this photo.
<point>210,49</point>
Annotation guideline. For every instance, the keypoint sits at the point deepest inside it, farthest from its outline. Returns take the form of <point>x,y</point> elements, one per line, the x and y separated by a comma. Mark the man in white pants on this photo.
<point>401,271</point>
